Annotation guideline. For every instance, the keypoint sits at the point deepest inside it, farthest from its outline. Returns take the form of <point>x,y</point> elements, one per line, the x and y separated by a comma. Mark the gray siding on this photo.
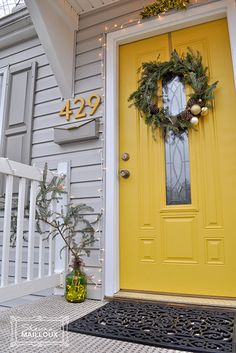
<point>85,157</point>
<point>19,55</point>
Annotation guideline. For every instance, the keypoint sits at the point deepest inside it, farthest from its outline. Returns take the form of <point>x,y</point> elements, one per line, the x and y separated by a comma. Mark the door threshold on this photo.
<point>177,299</point>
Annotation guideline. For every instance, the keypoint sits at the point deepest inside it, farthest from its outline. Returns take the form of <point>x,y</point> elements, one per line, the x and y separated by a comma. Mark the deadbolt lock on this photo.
<point>125,156</point>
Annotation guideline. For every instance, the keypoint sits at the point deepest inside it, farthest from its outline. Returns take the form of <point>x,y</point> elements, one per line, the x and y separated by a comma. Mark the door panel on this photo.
<point>138,209</point>
<point>185,248</point>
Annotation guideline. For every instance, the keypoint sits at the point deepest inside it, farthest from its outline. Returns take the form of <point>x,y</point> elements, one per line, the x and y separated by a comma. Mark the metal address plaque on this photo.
<point>93,102</point>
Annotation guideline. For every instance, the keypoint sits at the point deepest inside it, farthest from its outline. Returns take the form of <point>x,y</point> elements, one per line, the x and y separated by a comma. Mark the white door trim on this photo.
<point>156,26</point>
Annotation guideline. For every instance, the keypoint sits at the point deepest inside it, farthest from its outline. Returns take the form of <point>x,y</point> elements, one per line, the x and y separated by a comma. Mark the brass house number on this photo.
<point>93,102</point>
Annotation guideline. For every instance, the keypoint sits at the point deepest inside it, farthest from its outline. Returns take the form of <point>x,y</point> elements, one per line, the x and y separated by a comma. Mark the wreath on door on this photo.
<point>189,67</point>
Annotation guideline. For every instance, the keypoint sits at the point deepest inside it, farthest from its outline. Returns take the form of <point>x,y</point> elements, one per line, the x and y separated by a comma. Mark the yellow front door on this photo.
<point>186,246</point>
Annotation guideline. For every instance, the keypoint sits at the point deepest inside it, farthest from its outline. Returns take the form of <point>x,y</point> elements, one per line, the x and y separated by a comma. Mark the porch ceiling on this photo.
<point>82,6</point>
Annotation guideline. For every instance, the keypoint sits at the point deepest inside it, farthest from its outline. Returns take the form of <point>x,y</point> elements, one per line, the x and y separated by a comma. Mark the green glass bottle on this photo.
<point>76,287</point>
<point>76,283</point>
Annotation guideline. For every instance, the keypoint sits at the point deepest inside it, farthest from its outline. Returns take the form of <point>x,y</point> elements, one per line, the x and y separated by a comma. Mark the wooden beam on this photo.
<point>56,23</point>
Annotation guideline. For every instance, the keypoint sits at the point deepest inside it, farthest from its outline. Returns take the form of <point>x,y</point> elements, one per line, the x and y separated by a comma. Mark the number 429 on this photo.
<point>93,102</point>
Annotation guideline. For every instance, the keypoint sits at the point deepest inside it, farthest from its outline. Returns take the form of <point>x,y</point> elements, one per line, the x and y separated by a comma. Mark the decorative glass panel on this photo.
<point>174,95</point>
<point>177,170</point>
<point>176,148</point>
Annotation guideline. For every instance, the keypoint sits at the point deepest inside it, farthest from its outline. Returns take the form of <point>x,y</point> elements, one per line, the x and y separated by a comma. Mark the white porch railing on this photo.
<point>37,276</point>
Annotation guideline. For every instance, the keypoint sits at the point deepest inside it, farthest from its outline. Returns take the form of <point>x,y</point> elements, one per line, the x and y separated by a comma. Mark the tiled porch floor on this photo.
<point>56,306</point>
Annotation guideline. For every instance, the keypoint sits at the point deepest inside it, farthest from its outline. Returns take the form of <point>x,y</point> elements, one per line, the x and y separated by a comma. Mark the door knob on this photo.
<point>124,173</point>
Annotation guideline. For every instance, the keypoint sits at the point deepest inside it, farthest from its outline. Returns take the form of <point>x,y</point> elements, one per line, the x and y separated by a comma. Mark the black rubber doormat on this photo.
<point>168,326</point>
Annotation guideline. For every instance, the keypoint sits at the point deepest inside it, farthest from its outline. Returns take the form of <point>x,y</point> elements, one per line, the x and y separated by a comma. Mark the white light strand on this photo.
<point>134,21</point>
<point>102,57</point>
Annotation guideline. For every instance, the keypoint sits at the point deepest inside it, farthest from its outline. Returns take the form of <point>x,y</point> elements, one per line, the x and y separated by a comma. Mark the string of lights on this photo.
<point>102,56</point>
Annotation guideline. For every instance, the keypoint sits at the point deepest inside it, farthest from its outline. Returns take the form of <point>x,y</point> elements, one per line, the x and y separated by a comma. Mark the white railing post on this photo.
<point>6,231</point>
<point>20,230</point>
<point>61,258</point>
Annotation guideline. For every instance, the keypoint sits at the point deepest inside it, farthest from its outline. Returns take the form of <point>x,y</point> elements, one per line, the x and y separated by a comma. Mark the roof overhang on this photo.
<point>56,23</point>
<point>16,27</point>
<point>85,6</point>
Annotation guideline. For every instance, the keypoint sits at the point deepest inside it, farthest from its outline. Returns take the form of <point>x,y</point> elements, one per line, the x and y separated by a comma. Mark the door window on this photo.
<point>178,189</point>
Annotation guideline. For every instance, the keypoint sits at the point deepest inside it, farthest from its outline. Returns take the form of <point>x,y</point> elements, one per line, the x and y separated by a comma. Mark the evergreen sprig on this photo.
<point>161,6</point>
<point>192,72</point>
<point>77,232</point>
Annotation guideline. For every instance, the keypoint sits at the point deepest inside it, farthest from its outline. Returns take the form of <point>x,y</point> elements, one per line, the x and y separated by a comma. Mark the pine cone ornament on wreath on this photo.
<point>188,115</point>
<point>200,102</point>
<point>154,109</point>
<point>184,115</point>
<point>191,102</point>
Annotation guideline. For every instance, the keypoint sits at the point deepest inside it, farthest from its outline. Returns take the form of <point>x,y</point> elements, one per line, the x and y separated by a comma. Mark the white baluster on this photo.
<point>20,229</point>
<point>52,243</point>
<point>41,254</point>
<point>30,265</point>
<point>6,231</point>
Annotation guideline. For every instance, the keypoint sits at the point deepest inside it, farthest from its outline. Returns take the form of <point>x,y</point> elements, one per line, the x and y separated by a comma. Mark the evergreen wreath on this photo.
<point>161,6</point>
<point>190,69</point>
